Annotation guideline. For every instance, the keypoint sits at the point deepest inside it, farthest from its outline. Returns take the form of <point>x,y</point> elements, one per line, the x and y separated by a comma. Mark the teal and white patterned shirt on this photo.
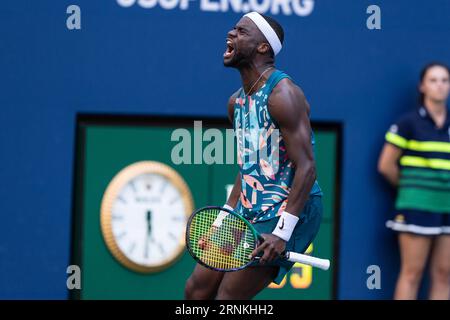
<point>265,169</point>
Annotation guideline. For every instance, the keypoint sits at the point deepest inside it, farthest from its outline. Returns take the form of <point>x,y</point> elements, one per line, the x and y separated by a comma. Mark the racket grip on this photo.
<point>323,264</point>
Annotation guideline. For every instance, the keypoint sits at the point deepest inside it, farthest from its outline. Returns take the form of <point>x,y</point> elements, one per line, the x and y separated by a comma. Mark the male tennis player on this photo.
<point>276,188</point>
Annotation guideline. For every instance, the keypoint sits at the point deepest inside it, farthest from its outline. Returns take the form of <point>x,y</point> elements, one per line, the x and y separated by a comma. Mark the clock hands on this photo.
<point>149,235</point>
<point>149,238</point>
<point>149,222</point>
<point>149,231</point>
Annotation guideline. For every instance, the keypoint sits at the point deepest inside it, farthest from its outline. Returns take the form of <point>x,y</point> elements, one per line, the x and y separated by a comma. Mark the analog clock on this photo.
<point>143,216</point>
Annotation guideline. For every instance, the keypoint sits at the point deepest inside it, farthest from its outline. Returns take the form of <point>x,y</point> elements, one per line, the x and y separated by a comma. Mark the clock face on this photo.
<point>144,215</point>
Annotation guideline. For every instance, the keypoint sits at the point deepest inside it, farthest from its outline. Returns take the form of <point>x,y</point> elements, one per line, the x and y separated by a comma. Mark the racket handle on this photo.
<point>323,264</point>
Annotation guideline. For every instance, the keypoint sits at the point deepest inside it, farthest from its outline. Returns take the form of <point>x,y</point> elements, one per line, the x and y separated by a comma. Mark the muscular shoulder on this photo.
<point>287,101</point>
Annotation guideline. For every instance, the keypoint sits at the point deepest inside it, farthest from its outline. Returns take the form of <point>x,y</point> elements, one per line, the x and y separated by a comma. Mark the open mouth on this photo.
<point>230,49</point>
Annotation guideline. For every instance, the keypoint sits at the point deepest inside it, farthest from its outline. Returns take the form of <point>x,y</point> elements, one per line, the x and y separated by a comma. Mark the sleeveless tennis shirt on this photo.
<point>265,169</point>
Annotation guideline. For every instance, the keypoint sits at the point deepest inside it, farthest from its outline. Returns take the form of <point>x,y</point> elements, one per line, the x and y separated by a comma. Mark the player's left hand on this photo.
<point>272,246</point>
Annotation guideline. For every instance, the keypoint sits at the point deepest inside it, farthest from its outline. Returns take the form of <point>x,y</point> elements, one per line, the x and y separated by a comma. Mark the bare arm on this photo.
<point>236,191</point>
<point>289,108</point>
<point>388,163</point>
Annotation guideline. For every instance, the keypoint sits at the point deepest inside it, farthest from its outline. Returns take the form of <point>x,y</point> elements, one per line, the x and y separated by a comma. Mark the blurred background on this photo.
<point>80,105</point>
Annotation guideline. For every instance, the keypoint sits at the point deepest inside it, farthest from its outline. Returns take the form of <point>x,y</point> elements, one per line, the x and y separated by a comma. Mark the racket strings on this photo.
<point>226,248</point>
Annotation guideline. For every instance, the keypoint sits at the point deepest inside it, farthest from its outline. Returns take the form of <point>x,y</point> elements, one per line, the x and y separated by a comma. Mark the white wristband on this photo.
<point>218,222</point>
<point>285,226</point>
<point>226,206</point>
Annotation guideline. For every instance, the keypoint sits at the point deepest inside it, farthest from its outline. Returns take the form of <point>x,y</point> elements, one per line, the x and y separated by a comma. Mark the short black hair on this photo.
<point>277,28</point>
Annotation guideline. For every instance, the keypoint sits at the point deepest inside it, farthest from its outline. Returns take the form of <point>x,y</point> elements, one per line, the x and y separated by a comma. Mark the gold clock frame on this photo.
<point>114,187</point>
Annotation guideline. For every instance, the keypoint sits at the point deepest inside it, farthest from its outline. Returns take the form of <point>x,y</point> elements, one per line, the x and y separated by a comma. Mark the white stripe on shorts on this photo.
<point>429,231</point>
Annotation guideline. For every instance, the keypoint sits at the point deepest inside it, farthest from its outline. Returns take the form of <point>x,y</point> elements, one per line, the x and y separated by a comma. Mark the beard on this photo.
<point>240,59</point>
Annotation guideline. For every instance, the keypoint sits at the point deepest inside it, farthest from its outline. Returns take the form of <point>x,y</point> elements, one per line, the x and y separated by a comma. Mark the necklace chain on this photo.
<point>246,94</point>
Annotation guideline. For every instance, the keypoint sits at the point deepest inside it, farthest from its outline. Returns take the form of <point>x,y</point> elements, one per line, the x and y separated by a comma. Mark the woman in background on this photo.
<point>416,160</point>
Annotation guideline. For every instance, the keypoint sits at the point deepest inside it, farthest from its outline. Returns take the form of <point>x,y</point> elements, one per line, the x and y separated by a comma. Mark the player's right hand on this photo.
<point>204,240</point>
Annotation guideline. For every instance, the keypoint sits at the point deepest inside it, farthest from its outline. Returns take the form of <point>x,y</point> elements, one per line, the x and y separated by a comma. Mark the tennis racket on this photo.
<point>223,240</point>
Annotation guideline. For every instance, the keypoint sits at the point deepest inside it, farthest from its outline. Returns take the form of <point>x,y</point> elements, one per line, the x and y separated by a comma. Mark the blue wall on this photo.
<point>155,61</point>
